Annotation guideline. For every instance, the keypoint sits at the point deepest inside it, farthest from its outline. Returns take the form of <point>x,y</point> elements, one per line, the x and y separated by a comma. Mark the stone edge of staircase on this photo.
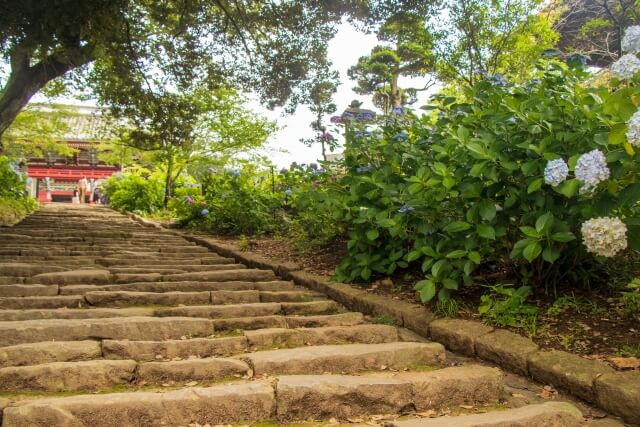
<point>617,392</point>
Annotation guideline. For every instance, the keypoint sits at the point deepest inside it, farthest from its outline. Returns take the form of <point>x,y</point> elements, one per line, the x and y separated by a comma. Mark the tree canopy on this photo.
<point>266,45</point>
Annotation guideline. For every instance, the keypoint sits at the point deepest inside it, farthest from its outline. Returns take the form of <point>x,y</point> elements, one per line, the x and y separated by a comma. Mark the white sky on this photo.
<point>285,147</point>
<point>344,50</point>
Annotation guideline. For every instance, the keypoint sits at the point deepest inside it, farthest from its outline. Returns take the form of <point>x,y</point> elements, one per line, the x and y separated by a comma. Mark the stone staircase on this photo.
<point>104,322</point>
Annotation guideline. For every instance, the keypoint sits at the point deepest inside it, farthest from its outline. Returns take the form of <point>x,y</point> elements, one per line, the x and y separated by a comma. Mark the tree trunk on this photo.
<point>396,100</point>
<point>168,184</point>
<point>25,80</point>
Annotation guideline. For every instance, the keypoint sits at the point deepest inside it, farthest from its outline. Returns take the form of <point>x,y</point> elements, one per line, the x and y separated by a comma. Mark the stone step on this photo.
<point>49,351</point>
<point>249,275</point>
<point>347,358</point>
<point>179,287</point>
<point>133,328</point>
<point>261,339</point>
<point>150,262</point>
<point>222,404</point>
<point>549,414</point>
<point>185,371</point>
<point>67,301</point>
<point>92,375</point>
<point>87,313</point>
<point>251,310</point>
<point>318,397</point>
<point>279,321</point>
<point>28,290</point>
<point>166,268</point>
<point>126,298</point>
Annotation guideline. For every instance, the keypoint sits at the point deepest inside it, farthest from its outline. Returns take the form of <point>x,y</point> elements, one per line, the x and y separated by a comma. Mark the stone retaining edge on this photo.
<point>507,349</point>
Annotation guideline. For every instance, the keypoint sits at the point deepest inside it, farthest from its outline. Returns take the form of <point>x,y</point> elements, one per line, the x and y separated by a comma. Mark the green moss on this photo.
<point>383,319</point>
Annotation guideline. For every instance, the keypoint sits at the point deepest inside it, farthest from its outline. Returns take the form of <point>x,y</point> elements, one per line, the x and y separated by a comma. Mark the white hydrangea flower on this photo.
<point>555,172</point>
<point>591,170</point>
<point>633,129</point>
<point>631,39</point>
<point>604,236</point>
<point>626,67</point>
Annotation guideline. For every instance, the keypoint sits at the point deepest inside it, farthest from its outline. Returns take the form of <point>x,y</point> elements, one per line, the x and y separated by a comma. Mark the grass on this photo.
<point>630,351</point>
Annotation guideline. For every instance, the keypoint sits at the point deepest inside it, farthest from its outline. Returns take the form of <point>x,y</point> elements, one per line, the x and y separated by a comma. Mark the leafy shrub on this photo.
<point>465,184</point>
<point>631,299</point>
<point>314,204</point>
<point>231,202</point>
<point>137,191</point>
<point>15,203</point>
<point>505,306</point>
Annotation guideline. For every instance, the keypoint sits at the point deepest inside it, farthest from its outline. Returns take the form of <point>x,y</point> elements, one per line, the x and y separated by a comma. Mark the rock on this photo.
<point>208,369</point>
<point>619,393</point>
<point>348,358</point>
<point>45,352</point>
<point>550,414</point>
<point>68,376</point>
<point>458,335</point>
<point>169,349</point>
<point>573,373</point>
<point>507,349</point>
<point>73,277</point>
<point>234,403</point>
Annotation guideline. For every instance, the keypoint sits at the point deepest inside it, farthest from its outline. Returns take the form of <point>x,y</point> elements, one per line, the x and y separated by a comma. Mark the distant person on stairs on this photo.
<point>82,188</point>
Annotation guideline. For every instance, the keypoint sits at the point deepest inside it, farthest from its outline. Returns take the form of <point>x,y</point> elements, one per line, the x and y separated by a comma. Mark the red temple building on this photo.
<point>54,177</point>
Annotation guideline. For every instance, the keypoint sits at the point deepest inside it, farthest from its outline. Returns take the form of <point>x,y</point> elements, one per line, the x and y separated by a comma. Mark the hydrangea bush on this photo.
<point>230,201</point>
<point>540,179</point>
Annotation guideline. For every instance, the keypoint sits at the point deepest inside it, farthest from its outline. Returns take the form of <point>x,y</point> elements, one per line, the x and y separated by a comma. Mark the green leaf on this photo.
<point>487,210</point>
<point>535,185</point>
<point>414,188</point>
<point>551,254</point>
<point>457,226</point>
<point>563,236</point>
<point>569,188</point>
<point>421,284</point>
<point>372,234</point>
<point>529,168</point>
<point>469,266</point>
<point>414,255</point>
<point>386,223</point>
<point>617,134</point>
<point>438,266</point>
<point>633,237</point>
<point>428,291</point>
<point>532,251</point>
<point>486,231</point>
<point>630,195</point>
<point>458,253</point>
<point>474,256</point>
<point>544,223</point>
<point>530,231</point>
<point>365,273</point>
<point>450,284</point>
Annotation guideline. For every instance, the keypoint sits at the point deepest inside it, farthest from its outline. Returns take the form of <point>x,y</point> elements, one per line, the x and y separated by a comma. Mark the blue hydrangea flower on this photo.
<point>511,120</point>
<point>364,116</point>
<point>204,212</point>
<point>288,192</point>
<point>398,111</point>
<point>361,169</point>
<point>235,173</point>
<point>426,141</point>
<point>556,172</point>
<point>188,199</point>
<point>400,136</point>
<point>406,208</point>
<point>361,133</point>
<point>335,119</point>
<point>348,116</point>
